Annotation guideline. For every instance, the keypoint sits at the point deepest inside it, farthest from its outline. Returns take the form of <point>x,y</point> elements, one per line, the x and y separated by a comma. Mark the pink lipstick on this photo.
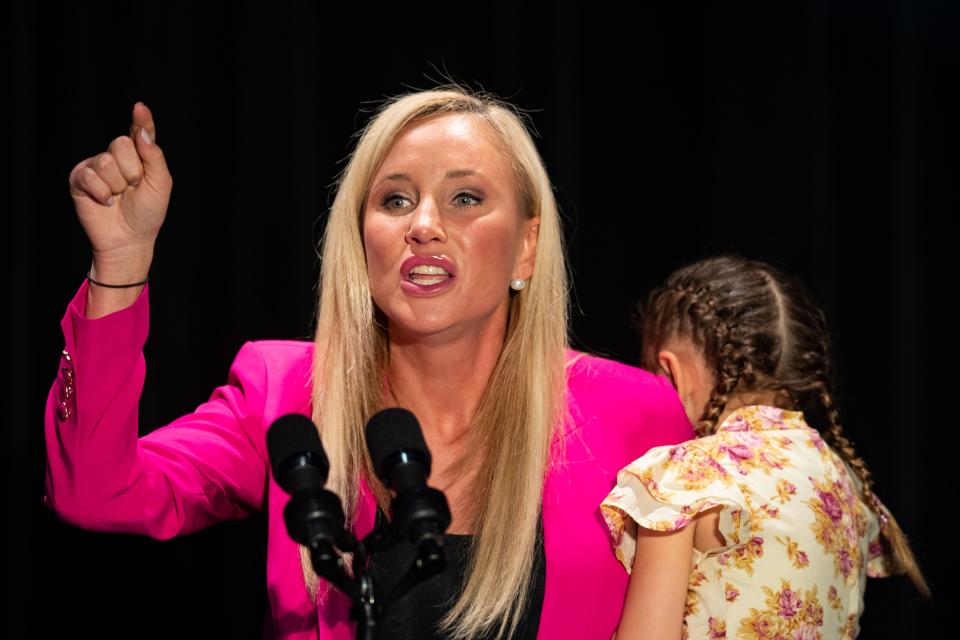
<point>426,275</point>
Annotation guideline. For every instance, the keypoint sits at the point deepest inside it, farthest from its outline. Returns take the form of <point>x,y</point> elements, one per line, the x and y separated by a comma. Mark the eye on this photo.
<point>465,199</point>
<point>390,201</point>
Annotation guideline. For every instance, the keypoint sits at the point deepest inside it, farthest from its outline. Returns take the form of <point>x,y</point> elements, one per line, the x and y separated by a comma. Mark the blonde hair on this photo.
<point>524,402</point>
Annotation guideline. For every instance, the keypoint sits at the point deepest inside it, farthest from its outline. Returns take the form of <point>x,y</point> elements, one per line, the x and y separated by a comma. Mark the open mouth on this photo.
<point>427,274</point>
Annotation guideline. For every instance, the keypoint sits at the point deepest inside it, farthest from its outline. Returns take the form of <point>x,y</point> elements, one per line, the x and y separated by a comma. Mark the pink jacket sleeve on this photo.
<point>202,468</point>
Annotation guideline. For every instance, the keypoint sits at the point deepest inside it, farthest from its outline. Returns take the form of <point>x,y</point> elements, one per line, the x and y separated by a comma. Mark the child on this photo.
<point>765,526</point>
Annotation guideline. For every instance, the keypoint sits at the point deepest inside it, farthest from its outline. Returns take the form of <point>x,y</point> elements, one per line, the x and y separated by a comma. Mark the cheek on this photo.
<point>377,250</point>
<point>376,244</point>
<point>494,251</point>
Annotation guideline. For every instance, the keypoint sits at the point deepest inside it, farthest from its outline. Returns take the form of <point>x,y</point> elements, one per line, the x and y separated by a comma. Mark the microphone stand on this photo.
<point>363,590</point>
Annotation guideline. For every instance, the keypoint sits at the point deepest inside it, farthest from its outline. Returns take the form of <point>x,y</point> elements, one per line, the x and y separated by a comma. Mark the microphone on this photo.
<point>402,461</point>
<point>397,448</point>
<point>314,515</point>
<point>297,458</point>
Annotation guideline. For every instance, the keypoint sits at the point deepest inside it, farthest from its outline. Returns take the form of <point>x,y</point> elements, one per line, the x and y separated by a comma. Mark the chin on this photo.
<point>419,327</point>
<point>426,317</point>
<point>416,322</point>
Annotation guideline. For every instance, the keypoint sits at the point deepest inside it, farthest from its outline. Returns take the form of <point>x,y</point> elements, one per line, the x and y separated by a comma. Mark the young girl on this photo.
<point>765,526</point>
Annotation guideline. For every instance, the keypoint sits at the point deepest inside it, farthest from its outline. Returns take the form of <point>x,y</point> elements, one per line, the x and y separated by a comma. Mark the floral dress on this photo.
<point>800,541</point>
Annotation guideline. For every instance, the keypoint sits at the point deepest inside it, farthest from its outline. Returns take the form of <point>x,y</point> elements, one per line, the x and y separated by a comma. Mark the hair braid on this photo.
<point>837,439</point>
<point>727,353</point>
<point>892,534</point>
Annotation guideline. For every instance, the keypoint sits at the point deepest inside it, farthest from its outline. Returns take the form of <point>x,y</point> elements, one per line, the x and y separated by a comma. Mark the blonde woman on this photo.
<point>443,290</point>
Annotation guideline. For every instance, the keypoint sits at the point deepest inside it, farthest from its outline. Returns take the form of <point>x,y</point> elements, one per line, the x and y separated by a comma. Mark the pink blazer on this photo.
<point>212,464</point>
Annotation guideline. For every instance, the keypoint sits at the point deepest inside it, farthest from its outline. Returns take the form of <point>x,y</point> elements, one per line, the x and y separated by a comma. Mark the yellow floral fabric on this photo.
<point>799,539</point>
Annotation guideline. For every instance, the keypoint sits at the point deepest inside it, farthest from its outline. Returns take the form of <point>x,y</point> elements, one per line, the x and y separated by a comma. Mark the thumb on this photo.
<point>144,134</point>
<point>155,170</point>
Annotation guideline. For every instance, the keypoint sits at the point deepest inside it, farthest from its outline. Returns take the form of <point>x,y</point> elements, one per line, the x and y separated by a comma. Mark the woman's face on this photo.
<point>443,230</point>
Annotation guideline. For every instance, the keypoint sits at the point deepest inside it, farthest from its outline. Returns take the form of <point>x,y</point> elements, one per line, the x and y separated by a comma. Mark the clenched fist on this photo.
<point>121,198</point>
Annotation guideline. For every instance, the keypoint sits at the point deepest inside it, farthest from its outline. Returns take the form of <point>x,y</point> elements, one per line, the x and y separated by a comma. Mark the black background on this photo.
<point>816,135</point>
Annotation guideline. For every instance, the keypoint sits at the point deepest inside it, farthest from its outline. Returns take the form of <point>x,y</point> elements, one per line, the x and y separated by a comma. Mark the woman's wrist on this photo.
<point>115,286</point>
<point>103,299</point>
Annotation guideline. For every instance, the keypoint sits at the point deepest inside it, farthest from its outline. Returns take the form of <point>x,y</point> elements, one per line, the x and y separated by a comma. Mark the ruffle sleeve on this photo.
<point>664,490</point>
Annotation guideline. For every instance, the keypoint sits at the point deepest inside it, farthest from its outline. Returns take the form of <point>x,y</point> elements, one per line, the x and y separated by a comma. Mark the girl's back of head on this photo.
<point>760,332</point>
<point>758,329</point>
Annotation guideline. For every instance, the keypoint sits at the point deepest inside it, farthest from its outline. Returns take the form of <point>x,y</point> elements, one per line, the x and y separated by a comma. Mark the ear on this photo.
<point>669,365</point>
<point>528,249</point>
<point>683,379</point>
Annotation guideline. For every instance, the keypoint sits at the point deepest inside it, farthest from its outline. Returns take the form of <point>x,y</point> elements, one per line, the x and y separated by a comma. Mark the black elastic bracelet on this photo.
<point>116,286</point>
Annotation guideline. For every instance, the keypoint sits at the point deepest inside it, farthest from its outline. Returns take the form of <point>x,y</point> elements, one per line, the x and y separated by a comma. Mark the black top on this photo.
<point>415,616</point>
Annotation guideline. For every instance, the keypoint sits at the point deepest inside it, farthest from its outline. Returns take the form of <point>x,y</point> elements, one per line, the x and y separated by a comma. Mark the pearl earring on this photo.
<point>517,283</point>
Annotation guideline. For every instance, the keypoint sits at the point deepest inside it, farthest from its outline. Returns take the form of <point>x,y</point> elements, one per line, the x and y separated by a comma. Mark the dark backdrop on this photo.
<point>814,135</point>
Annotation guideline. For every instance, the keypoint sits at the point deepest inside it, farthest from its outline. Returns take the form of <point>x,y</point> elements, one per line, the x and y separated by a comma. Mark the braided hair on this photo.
<point>760,330</point>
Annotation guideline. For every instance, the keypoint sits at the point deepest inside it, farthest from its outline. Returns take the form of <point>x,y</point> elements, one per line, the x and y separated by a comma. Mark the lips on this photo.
<point>427,266</point>
<point>426,275</point>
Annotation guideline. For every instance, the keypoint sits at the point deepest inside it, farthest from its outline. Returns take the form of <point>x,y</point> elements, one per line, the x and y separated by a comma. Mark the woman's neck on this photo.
<point>442,379</point>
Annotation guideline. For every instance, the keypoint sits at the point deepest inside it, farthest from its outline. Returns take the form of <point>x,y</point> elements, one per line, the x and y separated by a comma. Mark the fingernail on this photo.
<point>110,201</point>
<point>146,136</point>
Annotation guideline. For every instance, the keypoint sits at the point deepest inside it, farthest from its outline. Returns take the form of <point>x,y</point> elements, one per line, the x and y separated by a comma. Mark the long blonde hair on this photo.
<point>513,430</point>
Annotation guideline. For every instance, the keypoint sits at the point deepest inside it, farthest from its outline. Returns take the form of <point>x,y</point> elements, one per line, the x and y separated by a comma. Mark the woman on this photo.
<point>443,289</point>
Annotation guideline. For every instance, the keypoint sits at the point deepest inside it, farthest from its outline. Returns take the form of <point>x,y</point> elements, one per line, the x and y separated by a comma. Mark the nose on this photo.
<point>426,224</point>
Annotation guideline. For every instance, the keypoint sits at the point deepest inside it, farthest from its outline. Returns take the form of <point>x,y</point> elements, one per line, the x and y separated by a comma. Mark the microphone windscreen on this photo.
<point>392,430</point>
<point>294,434</point>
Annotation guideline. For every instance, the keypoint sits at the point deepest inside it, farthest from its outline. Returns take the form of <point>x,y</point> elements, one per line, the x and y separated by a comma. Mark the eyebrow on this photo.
<point>450,175</point>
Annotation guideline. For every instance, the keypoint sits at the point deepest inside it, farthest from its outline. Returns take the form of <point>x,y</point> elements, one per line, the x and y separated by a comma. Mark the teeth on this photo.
<point>429,270</point>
